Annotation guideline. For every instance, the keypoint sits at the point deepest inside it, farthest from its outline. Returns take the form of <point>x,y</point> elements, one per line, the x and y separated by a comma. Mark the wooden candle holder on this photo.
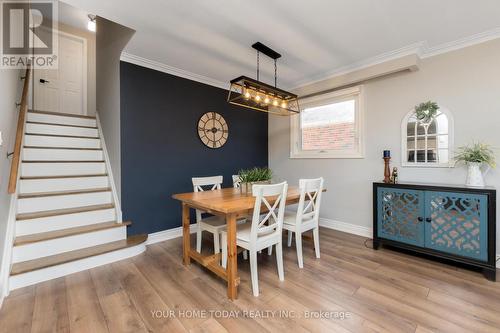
<point>387,170</point>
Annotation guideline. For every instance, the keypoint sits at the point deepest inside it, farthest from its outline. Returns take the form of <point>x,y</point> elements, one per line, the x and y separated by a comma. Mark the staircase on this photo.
<point>67,219</point>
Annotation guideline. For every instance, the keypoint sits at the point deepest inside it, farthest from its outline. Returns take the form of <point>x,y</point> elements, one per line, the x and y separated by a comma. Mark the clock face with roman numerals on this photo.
<point>213,130</point>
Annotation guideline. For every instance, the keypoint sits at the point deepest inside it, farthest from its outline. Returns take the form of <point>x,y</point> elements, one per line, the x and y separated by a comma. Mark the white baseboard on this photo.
<point>2,296</point>
<point>164,235</point>
<point>359,230</point>
<point>346,227</point>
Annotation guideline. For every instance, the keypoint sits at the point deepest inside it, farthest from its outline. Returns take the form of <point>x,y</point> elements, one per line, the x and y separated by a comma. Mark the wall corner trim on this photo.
<point>161,67</point>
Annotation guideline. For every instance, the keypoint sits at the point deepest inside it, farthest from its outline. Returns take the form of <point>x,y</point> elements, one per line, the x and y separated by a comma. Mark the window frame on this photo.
<point>404,143</point>
<point>325,99</point>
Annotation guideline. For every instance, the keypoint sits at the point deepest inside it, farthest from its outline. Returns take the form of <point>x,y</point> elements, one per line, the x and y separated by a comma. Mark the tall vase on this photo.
<point>475,175</point>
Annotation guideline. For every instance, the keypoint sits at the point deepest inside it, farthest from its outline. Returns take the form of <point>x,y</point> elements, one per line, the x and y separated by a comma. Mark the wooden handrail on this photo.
<point>14,168</point>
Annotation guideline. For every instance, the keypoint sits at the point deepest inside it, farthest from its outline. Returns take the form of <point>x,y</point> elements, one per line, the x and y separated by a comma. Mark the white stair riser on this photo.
<point>46,224</point>
<point>54,272</point>
<point>65,244</point>
<point>30,205</point>
<point>61,184</point>
<point>61,169</point>
<point>61,130</point>
<point>47,118</point>
<point>55,141</point>
<point>36,154</point>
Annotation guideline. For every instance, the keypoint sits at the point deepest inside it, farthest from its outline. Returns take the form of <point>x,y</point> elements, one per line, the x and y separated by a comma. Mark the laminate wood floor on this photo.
<point>352,288</point>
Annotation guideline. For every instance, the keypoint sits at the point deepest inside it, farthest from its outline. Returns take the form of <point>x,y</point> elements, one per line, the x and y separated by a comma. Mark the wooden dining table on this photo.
<point>230,204</point>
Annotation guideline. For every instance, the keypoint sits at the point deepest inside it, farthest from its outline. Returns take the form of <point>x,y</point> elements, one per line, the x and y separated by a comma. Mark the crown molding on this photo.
<point>161,67</point>
<point>421,49</point>
<point>369,62</point>
<point>461,43</point>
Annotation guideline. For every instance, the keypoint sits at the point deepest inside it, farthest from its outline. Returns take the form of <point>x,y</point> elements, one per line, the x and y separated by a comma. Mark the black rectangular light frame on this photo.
<point>241,83</point>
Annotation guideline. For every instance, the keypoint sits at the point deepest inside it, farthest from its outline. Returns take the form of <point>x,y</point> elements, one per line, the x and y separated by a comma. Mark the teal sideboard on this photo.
<point>445,221</point>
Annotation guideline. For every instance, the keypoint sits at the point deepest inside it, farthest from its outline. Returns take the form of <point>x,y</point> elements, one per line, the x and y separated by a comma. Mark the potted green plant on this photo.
<point>253,176</point>
<point>425,112</point>
<point>476,156</point>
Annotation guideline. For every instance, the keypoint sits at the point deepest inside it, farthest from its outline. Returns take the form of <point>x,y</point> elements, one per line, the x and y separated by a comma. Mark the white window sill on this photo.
<point>423,165</point>
<point>327,155</point>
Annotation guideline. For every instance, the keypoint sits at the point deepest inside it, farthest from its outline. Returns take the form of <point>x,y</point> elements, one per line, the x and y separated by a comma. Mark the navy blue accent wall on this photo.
<point>161,150</point>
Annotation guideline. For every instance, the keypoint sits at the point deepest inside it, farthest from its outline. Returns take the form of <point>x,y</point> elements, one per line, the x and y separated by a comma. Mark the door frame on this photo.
<point>84,70</point>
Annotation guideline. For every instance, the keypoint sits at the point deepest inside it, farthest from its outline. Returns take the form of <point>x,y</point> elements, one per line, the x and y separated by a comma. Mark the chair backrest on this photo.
<point>236,181</point>
<point>212,183</point>
<point>273,199</point>
<point>310,200</point>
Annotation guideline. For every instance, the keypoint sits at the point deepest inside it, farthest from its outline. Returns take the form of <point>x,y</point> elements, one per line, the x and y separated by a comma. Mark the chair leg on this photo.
<point>245,254</point>
<point>253,273</point>
<point>316,241</point>
<point>298,242</point>
<point>216,242</point>
<point>279,260</point>
<point>198,238</point>
<point>270,250</point>
<point>224,249</point>
<point>290,234</point>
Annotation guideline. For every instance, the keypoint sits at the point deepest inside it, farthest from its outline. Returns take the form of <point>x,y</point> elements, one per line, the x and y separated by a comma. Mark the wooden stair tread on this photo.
<point>64,148</point>
<point>43,236</point>
<point>61,114</point>
<point>56,193</point>
<point>65,211</point>
<point>61,177</point>
<point>84,161</point>
<point>64,136</point>
<point>62,258</point>
<point>58,124</point>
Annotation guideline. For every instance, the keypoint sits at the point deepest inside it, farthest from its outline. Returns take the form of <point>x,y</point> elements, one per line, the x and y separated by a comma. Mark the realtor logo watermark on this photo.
<point>28,34</point>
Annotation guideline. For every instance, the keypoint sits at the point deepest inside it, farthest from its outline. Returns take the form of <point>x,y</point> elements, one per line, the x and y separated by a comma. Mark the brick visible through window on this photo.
<point>329,127</point>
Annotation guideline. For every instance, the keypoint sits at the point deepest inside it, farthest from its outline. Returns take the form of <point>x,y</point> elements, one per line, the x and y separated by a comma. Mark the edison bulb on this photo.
<point>275,102</point>
<point>266,100</point>
<point>257,98</point>
<point>283,105</point>
<point>247,94</point>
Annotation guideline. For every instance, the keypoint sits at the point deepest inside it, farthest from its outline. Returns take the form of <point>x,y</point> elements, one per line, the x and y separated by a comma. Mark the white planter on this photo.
<point>475,175</point>
<point>246,188</point>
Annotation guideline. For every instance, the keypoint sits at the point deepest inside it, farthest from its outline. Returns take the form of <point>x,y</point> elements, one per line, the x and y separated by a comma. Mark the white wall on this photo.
<point>10,92</point>
<point>467,82</point>
<point>111,38</point>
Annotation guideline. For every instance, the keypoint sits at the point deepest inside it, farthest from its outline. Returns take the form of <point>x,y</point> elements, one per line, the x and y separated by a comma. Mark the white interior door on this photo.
<point>64,89</point>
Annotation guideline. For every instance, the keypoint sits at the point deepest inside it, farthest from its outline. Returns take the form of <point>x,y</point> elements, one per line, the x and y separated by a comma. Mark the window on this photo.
<point>329,126</point>
<point>427,143</point>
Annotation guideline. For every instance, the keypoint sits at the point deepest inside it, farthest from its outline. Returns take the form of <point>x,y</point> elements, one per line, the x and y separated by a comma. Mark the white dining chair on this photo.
<point>212,224</point>
<point>306,217</point>
<point>264,231</point>
<point>236,181</point>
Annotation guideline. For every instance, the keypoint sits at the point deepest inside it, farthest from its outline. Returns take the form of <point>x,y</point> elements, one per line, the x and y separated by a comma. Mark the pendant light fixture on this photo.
<point>260,96</point>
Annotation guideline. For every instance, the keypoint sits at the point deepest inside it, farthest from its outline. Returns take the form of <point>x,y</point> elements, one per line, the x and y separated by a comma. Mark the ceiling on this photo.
<point>317,38</point>
<point>72,16</point>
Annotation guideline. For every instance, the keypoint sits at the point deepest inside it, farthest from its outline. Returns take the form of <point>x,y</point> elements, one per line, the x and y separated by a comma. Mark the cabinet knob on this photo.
<point>428,220</point>
<point>420,219</point>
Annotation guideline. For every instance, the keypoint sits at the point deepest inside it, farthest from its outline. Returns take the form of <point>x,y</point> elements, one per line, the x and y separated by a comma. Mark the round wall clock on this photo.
<point>213,130</point>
